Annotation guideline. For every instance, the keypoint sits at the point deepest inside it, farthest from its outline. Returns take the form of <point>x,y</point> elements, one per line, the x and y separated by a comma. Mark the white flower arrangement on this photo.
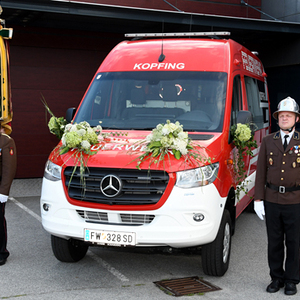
<point>81,137</point>
<point>168,139</point>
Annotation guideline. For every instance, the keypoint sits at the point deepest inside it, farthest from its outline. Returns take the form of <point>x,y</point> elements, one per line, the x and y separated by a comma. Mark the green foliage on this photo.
<point>244,142</point>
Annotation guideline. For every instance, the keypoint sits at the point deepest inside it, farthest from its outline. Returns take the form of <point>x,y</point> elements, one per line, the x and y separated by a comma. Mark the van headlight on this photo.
<point>197,177</point>
<point>52,171</point>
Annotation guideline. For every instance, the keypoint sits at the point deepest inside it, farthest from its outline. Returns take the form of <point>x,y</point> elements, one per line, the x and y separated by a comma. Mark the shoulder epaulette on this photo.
<point>296,135</point>
<point>276,135</point>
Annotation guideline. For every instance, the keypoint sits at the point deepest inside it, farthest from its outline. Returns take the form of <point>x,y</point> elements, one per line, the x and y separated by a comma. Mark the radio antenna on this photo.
<point>162,56</point>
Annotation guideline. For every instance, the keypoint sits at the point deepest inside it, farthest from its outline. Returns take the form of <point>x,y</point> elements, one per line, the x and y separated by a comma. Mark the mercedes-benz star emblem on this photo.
<point>111,186</point>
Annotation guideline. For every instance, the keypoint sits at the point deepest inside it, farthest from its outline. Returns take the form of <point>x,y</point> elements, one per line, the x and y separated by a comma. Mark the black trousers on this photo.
<point>283,230</point>
<point>3,233</point>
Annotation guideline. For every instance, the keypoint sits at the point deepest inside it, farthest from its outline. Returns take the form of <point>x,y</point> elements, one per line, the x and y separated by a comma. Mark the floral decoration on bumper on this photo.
<point>168,139</point>
<point>244,142</point>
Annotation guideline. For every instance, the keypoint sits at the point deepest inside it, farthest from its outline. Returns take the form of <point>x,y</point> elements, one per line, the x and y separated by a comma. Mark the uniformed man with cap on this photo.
<point>8,164</point>
<point>277,194</point>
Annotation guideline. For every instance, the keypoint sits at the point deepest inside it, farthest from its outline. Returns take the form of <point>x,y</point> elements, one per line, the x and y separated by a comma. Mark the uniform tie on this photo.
<point>285,141</point>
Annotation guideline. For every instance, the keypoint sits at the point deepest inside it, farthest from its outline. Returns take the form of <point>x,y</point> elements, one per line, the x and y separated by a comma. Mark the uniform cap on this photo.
<point>287,104</point>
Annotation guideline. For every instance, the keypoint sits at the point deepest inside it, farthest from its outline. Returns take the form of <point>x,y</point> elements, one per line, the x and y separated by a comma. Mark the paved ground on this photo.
<point>32,272</point>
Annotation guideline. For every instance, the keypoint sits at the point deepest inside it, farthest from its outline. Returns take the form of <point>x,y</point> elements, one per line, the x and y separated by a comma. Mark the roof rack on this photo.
<point>177,34</point>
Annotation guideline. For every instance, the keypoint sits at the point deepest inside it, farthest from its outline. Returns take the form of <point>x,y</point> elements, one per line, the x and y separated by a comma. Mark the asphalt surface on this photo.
<point>32,272</point>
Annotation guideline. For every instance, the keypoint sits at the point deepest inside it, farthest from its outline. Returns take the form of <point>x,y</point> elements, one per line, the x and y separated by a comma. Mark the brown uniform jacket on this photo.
<point>8,163</point>
<point>278,167</point>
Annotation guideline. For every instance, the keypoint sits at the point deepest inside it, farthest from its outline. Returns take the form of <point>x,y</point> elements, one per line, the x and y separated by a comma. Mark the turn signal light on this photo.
<point>229,161</point>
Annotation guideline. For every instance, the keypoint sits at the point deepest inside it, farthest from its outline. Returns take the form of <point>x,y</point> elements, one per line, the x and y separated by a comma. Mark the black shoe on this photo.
<point>2,261</point>
<point>275,286</point>
<point>290,288</point>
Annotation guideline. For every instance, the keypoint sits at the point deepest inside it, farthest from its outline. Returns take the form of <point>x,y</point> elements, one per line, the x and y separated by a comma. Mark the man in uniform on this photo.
<point>8,164</point>
<point>277,194</point>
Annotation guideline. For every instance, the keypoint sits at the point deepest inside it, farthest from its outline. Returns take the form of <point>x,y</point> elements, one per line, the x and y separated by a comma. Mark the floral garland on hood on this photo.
<point>166,139</point>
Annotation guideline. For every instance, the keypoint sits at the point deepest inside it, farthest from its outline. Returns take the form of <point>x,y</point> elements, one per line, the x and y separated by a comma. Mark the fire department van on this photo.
<point>204,83</point>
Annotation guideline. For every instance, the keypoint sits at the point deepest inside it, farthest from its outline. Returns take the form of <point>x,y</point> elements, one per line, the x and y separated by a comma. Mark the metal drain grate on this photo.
<point>186,286</point>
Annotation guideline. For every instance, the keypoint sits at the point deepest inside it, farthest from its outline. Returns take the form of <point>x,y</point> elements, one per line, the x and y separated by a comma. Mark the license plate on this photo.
<point>111,238</point>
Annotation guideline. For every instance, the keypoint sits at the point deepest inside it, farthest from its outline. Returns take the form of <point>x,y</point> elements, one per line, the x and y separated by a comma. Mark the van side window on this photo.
<point>236,99</point>
<point>264,102</point>
<point>254,99</point>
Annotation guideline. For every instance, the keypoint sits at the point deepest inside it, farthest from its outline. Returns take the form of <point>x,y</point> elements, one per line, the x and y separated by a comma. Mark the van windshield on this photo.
<point>141,100</point>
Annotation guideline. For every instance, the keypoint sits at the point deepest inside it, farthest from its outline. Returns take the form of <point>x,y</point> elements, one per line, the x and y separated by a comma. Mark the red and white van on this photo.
<point>205,83</point>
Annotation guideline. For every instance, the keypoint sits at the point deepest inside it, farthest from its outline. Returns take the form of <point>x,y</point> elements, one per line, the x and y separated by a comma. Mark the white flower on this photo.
<point>63,139</point>
<point>81,132</point>
<point>165,130</point>
<point>156,135</point>
<point>85,145</point>
<point>90,130</point>
<point>149,137</point>
<point>172,127</point>
<point>183,135</point>
<point>73,128</point>
<point>159,127</point>
<point>68,127</point>
<point>181,146</point>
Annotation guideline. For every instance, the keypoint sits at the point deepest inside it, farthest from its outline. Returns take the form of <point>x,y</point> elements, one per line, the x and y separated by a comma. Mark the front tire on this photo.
<point>216,255</point>
<point>68,250</point>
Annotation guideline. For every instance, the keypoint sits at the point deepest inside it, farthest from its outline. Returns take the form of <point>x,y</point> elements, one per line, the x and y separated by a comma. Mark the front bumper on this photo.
<point>171,225</point>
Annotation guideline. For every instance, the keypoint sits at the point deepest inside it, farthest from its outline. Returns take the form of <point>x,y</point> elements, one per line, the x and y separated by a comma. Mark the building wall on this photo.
<point>285,10</point>
<point>283,64</point>
<point>214,7</point>
<point>57,65</point>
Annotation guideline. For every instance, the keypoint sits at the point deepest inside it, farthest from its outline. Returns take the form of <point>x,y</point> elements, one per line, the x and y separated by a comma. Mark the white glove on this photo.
<point>259,209</point>
<point>3,198</point>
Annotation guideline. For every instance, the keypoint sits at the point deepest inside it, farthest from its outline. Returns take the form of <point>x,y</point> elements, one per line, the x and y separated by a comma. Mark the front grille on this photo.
<point>129,187</point>
<point>93,215</point>
<point>128,219</point>
<point>136,219</point>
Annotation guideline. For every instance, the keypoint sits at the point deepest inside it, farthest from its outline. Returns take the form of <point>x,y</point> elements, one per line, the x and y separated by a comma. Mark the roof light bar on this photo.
<point>178,34</point>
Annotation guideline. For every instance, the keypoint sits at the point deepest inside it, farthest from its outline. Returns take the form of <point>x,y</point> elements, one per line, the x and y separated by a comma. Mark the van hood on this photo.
<point>123,150</point>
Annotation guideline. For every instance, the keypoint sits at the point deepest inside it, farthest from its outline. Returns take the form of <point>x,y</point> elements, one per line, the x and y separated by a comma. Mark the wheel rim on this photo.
<point>226,243</point>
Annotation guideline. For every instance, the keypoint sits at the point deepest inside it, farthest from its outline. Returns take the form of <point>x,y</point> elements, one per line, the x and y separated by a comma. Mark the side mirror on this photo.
<point>70,114</point>
<point>244,117</point>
